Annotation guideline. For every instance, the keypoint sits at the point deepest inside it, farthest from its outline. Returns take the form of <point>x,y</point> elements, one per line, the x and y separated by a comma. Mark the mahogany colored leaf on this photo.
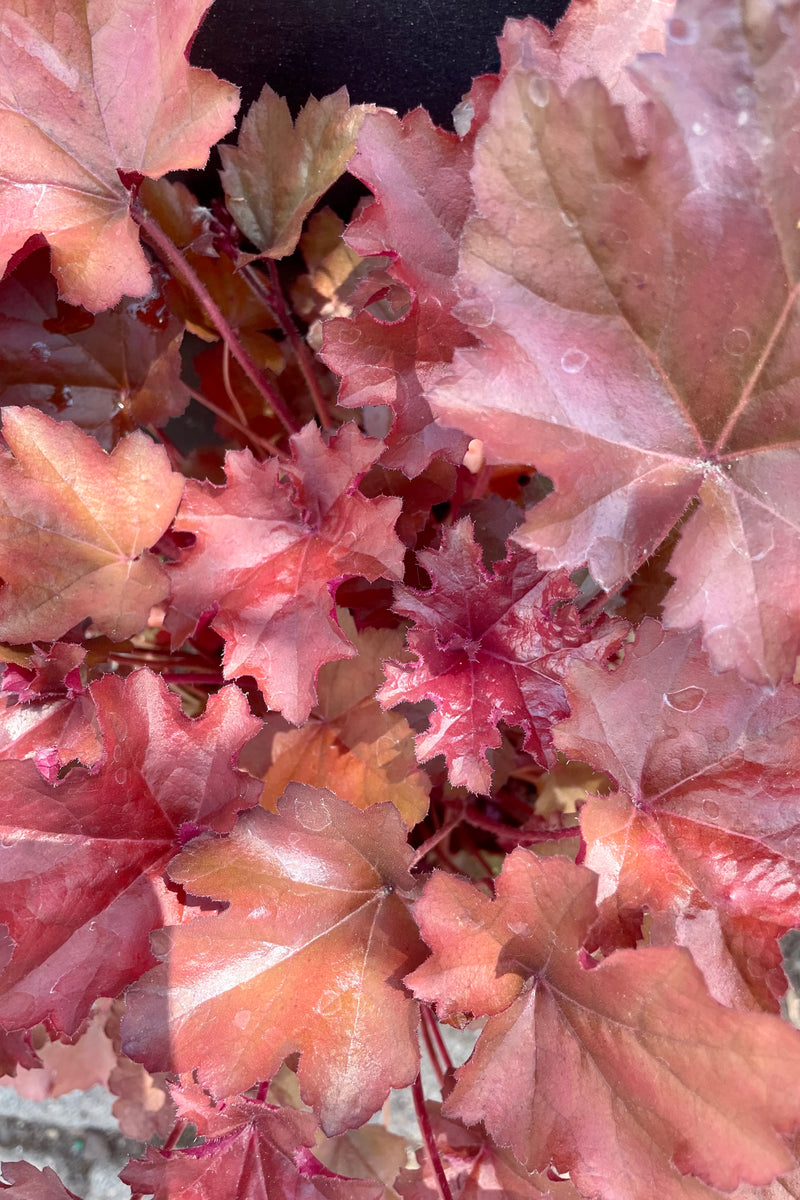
<point>475,1168</point>
<point>272,546</point>
<point>349,744</point>
<point>263,1155</point>
<point>491,647</point>
<point>308,956</point>
<point>89,90</point>
<point>81,882</point>
<point>22,1181</point>
<point>628,1075</point>
<point>108,374</point>
<point>641,340</point>
<point>279,169</point>
<point>75,527</point>
<point>704,831</point>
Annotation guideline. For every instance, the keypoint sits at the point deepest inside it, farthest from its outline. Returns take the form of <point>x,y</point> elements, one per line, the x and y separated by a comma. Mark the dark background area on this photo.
<point>397,53</point>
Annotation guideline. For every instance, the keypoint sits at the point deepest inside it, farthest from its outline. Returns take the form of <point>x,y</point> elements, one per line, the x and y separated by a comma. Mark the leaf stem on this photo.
<point>426,1130</point>
<point>435,838</point>
<point>179,266</point>
<point>434,1026</point>
<point>251,437</point>
<point>273,294</point>
<point>175,1135</point>
<point>429,1047</point>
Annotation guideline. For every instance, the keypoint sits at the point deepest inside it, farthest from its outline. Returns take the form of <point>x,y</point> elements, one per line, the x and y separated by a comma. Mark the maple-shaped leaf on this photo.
<point>108,374</point>
<point>627,1075</point>
<point>279,169</point>
<point>475,1169</point>
<point>703,832</point>
<point>643,341</point>
<point>23,1181</point>
<point>82,860</point>
<point>272,546</point>
<point>371,1152</point>
<point>76,525</point>
<point>308,956</point>
<point>491,647</point>
<point>90,90</point>
<point>349,744</point>
<point>263,1154</point>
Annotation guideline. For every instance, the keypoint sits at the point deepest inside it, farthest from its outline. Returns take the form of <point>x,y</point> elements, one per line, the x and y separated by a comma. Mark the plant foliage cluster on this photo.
<point>449,675</point>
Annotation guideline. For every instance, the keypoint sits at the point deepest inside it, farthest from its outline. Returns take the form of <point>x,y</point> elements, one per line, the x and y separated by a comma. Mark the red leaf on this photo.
<point>108,374</point>
<point>419,175</point>
<point>628,1075</point>
<point>75,527</point>
<point>704,832</point>
<point>98,88</point>
<point>490,647</point>
<point>307,957</point>
<point>643,340</point>
<point>83,860</point>
<point>263,1155</point>
<point>272,545</point>
<point>26,1182</point>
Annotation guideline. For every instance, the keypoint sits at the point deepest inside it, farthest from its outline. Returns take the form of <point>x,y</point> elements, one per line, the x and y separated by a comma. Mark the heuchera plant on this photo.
<point>447,674</point>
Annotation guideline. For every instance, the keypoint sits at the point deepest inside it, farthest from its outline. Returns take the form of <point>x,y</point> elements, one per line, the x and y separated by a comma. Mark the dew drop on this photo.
<point>242,1018</point>
<point>736,341</point>
<point>721,733</point>
<point>40,351</point>
<point>349,334</point>
<point>686,699</point>
<point>619,236</point>
<point>711,809</point>
<point>699,129</point>
<point>742,117</point>
<point>670,731</point>
<point>574,360</point>
<point>121,776</point>
<point>682,31</point>
<point>478,312</point>
<point>568,219</point>
<point>539,91</point>
<point>311,813</point>
<point>522,928</point>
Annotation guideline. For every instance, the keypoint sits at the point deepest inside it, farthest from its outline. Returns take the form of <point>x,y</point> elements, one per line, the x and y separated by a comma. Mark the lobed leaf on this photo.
<point>627,1073</point>
<point>91,89</point>
<point>272,546</point>
<point>640,330</point>
<point>308,956</point>
<point>75,527</point>
<point>83,859</point>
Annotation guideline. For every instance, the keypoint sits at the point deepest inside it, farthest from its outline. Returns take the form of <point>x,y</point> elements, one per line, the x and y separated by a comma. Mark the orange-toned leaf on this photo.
<point>76,525</point>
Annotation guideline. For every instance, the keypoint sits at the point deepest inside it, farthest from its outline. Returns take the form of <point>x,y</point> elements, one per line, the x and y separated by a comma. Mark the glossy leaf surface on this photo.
<point>308,956</point>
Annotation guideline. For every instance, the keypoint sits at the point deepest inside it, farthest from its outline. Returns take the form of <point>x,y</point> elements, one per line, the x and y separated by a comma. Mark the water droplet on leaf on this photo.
<point>737,341</point>
<point>311,813</point>
<point>685,699</point>
<point>711,809</point>
<point>478,312</point>
<point>539,90</point>
<point>574,360</point>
